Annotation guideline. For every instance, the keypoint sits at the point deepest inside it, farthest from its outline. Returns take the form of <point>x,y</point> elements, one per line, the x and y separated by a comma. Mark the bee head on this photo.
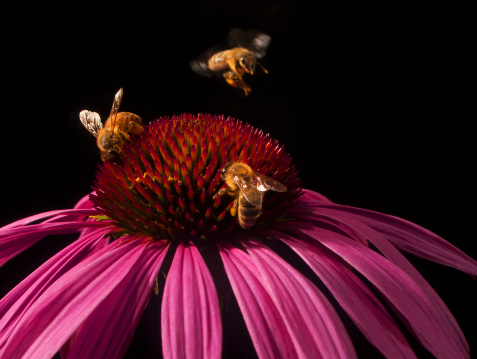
<point>223,171</point>
<point>248,62</point>
<point>109,155</point>
<point>108,139</point>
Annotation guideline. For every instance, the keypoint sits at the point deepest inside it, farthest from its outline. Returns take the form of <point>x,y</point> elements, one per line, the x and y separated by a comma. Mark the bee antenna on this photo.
<point>263,68</point>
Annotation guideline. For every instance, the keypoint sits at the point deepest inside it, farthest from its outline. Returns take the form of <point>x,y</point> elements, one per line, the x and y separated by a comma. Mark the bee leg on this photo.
<point>223,192</point>
<point>233,210</point>
<point>220,193</point>
<point>232,63</point>
<point>234,79</point>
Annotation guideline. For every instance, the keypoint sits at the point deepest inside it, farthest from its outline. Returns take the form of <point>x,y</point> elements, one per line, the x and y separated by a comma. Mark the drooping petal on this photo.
<point>403,234</point>
<point>16,237</point>
<point>414,239</point>
<point>61,213</point>
<point>190,315</point>
<point>67,303</point>
<point>355,298</point>
<point>14,305</point>
<point>109,329</point>
<point>314,326</point>
<point>267,329</point>
<point>359,229</point>
<point>427,321</point>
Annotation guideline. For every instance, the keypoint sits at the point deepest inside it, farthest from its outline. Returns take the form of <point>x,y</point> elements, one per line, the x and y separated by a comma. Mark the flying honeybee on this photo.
<point>116,130</point>
<point>247,186</point>
<point>244,48</point>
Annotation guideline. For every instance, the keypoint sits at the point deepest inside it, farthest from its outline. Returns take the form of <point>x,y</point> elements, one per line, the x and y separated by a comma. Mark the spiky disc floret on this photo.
<point>164,184</point>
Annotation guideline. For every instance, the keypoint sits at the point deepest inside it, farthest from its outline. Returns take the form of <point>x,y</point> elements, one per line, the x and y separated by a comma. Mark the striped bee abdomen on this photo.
<point>247,213</point>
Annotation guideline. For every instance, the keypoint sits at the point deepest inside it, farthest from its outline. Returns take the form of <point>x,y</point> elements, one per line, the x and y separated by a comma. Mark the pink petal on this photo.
<point>20,298</point>
<point>16,237</point>
<point>70,300</point>
<point>405,235</point>
<point>314,326</point>
<point>427,320</point>
<point>362,232</point>
<point>267,329</point>
<point>383,231</point>
<point>355,298</point>
<point>85,202</point>
<point>109,329</point>
<point>62,212</point>
<point>190,315</point>
<point>359,228</point>
<point>315,197</point>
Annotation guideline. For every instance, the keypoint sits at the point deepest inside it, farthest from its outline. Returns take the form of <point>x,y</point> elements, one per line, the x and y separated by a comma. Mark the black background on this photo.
<point>369,101</point>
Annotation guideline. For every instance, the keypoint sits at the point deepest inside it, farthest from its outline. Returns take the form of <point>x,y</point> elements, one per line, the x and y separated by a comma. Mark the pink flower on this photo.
<point>152,225</point>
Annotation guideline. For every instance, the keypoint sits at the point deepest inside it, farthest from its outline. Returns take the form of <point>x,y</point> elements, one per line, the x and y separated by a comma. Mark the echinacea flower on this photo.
<point>152,227</point>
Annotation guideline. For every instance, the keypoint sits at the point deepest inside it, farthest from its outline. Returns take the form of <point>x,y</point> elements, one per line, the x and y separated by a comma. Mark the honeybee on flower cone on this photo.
<point>248,187</point>
<point>116,130</point>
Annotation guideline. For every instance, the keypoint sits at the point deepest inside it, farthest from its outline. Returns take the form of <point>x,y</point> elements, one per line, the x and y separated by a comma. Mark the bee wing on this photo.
<point>117,101</point>
<point>264,183</point>
<point>253,40</point>
<point>115,108</point>
<point>201,64</point>
<point>249,191</point>
<point>91,121</point>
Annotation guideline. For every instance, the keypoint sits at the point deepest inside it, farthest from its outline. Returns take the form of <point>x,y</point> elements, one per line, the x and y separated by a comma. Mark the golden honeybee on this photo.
<point>239,59</point>
<point>116,130</point>
<point>247,186</point>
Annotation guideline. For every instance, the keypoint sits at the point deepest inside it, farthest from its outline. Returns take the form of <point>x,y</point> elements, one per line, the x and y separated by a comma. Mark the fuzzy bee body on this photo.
<point>110,138</point>
<point>228,60</point>
<point>239,59</point>
<point>248,213</point>
<point>247,187</point>
<point>218,61</point>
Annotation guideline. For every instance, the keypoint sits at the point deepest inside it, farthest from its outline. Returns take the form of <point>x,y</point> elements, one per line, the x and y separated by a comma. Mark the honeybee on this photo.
<point>241,58</point>
<point>116,130</point>
<point>247,186</point>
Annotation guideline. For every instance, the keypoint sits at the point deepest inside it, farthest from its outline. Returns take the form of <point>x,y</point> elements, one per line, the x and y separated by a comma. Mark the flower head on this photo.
<point>166,183</point>
<point>154,224</point>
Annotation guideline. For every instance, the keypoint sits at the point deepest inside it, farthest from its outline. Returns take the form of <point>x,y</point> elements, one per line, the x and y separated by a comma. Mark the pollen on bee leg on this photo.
<point>233,211</point>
